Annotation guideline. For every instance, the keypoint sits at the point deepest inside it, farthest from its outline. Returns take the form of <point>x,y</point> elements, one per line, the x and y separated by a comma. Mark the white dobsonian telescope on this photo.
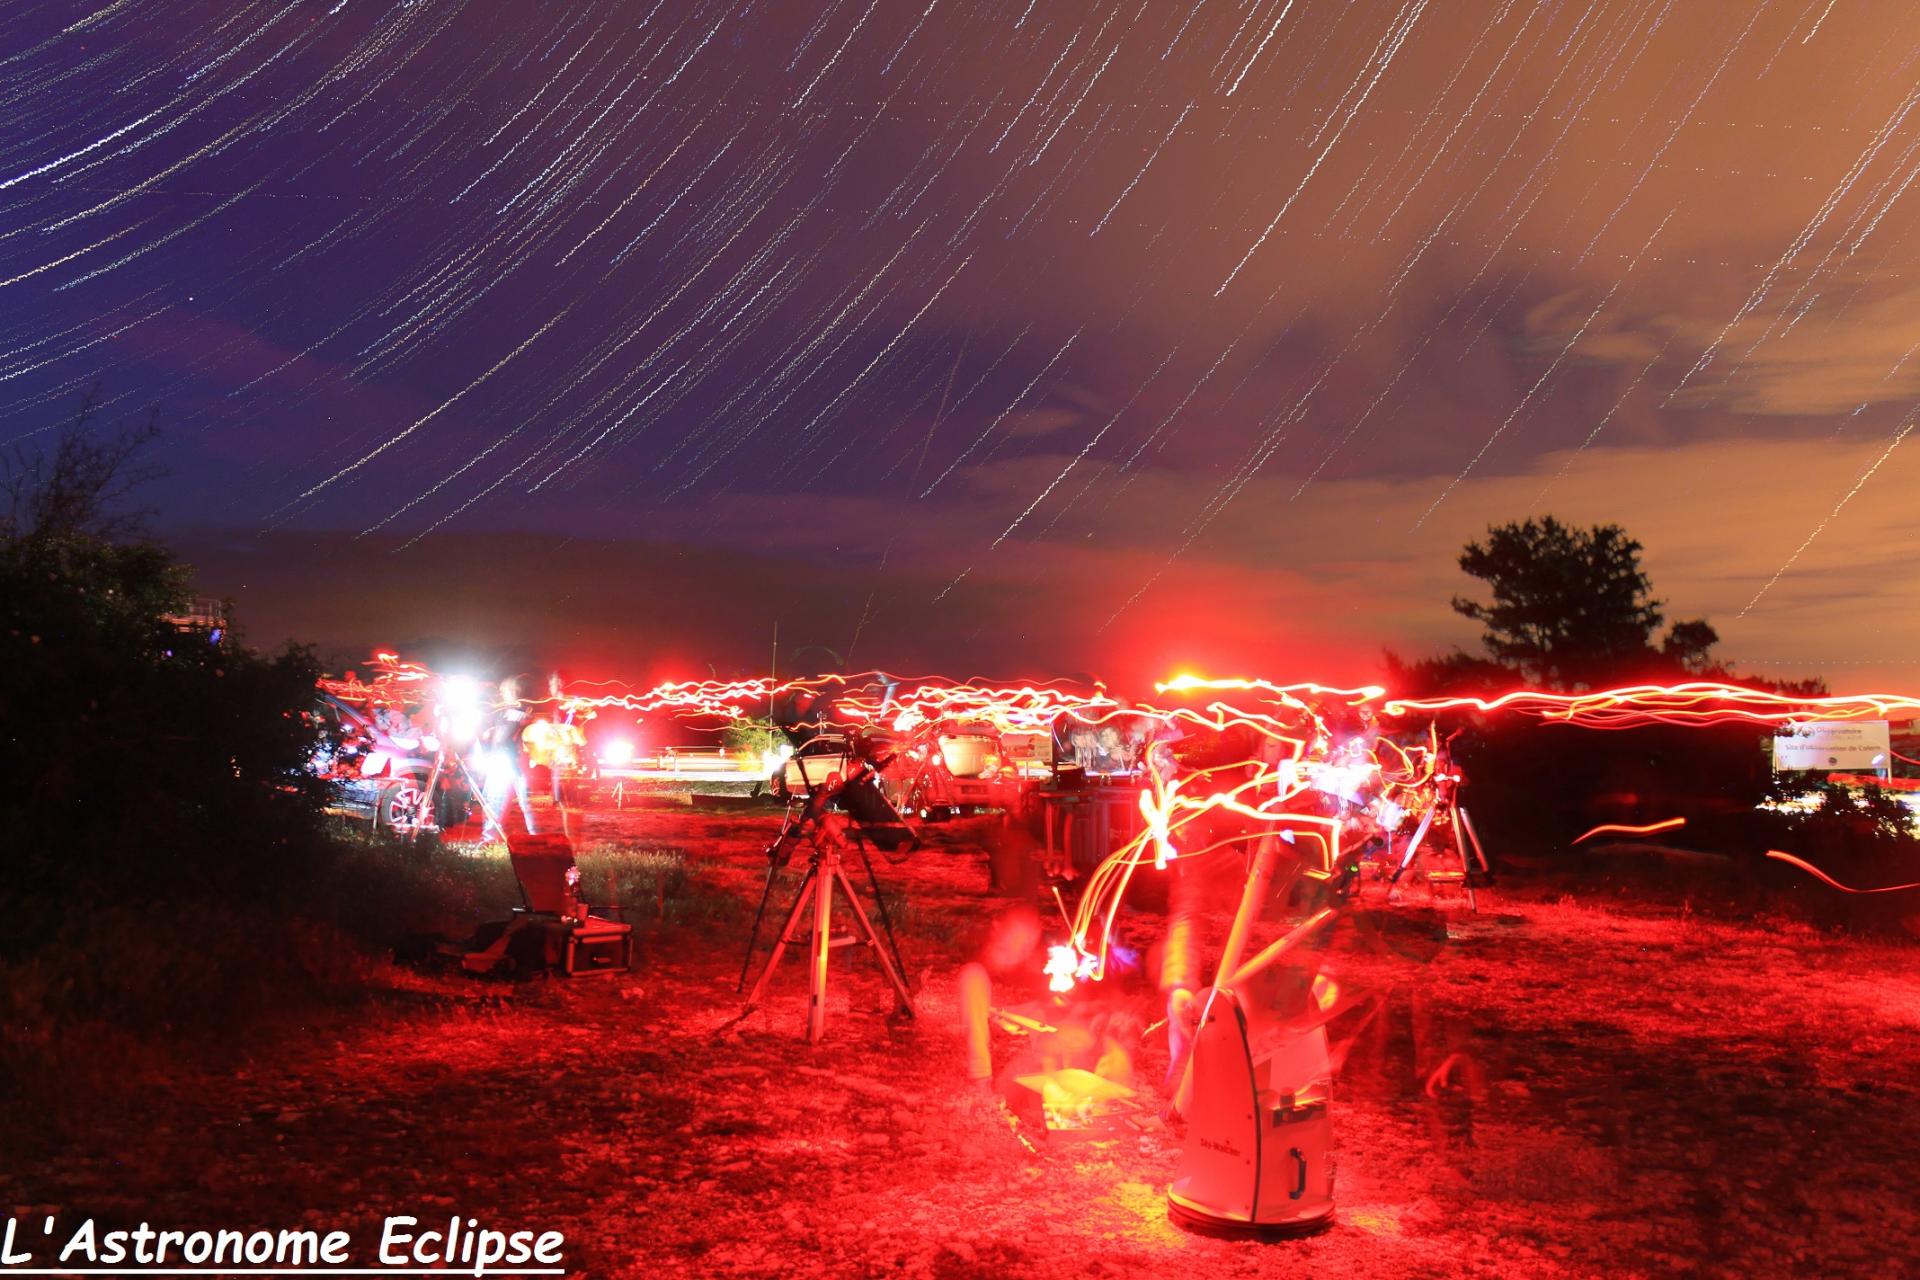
<point>1259,1152</point>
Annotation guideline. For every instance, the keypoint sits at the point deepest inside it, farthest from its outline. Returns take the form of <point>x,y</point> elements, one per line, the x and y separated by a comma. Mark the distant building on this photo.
<point>204,616</point>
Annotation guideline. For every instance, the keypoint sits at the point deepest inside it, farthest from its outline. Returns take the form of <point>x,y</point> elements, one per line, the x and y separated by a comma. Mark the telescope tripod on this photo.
<point>826,833</point>
<point>1459,832</point>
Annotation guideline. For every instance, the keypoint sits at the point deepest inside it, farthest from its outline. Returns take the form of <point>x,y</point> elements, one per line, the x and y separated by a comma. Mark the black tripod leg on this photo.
<point>880,905</point>
<point>753,938</point>
<point>1473,837</point>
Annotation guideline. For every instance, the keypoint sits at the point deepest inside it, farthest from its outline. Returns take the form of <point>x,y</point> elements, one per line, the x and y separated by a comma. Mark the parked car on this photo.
<point>386,768</point>
<point>936,773</point>
<point>960,769</point>
<point>811,765</point>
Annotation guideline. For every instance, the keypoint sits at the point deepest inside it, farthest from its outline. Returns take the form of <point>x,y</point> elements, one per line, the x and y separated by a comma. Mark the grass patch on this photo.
<point>381,890</point>
<point>659,888</point>
<point>197,965</point>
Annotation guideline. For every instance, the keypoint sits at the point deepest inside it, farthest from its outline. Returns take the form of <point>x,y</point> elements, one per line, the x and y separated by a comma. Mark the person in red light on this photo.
<point>500,764</point>
<point>553,742</point>
<point>1213,888</point>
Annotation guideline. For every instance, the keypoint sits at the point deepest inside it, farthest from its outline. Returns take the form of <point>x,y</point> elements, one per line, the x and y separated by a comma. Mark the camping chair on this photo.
<point>554,930</point>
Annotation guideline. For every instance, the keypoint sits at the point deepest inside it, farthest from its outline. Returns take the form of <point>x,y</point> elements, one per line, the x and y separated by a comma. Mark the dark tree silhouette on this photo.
<point>78,487</point>
<point>1570,608</point>
<point>1689,646</point>
<point>140,758</point>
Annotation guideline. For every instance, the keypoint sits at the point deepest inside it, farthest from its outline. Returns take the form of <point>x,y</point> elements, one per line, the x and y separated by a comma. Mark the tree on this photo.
<point>141,760</point>
<point>750,740</point>
<point>1571,607</point>
<point>79,486</point>
<point>1454,673</point>
<point>1689,646</point>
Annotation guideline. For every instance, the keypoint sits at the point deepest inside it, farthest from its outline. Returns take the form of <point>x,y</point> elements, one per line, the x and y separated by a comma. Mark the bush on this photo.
<point>163,831</point>
<point>1542,785</point>
<point>144,762</point>
<point>751,740</point>
<point>1862,838</point>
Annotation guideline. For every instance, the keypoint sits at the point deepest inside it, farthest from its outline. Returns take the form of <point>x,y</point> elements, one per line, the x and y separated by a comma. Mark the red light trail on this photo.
<point>1817,873</point>
<point>1623,829</point>
<point>1694,703</point>
<point>1321,777</point>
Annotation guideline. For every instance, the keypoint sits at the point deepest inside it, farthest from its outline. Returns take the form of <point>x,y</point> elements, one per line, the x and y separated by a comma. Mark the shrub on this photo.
<point>750,740</point>
<point>1544,784</point>
<point>1863,838</point>
<point>143,761</point>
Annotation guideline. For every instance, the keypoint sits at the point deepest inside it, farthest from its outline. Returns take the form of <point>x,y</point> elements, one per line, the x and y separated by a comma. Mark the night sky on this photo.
<point>1018,338</point>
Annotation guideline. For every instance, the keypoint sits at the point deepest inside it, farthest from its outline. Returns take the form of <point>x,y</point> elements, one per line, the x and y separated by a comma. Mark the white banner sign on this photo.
<point>1852,745</point>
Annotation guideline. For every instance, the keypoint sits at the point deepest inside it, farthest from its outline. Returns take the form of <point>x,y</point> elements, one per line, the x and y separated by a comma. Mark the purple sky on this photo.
<point>1012,337</point>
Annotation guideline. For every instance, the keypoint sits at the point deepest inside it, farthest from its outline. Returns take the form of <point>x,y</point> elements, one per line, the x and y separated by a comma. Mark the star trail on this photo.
<point>982,298</point>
